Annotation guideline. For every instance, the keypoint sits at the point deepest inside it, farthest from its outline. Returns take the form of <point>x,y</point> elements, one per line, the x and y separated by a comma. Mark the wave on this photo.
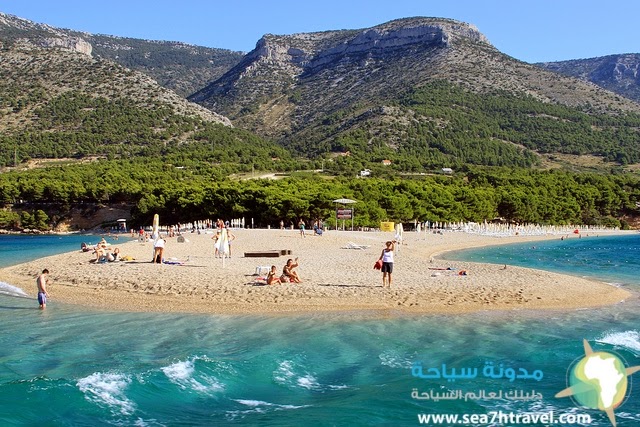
<point>629,340</point>
<point>292,375</point>
<point>108,389</point>
<point>258,403</point>
<point>14,291</point>
<point>395,359</point>
<point>184,375</point>
<point>259,407</point>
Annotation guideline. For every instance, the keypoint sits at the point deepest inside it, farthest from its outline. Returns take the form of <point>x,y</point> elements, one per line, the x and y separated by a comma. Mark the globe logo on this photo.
<point>599,381</point>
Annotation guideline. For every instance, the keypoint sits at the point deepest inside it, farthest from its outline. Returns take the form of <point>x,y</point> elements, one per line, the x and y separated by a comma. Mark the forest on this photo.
<point>443,125</point>
<point>200,191</point>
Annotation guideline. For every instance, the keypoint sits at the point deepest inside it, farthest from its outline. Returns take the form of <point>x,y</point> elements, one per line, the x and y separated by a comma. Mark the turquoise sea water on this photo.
<point>69,366</point>
<point>15,249</point>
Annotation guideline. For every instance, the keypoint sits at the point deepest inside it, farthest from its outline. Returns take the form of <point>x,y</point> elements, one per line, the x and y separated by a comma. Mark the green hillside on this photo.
<point>443,125</point>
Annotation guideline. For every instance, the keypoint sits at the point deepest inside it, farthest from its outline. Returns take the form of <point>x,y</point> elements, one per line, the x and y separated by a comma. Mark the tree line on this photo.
<point>184,194</point>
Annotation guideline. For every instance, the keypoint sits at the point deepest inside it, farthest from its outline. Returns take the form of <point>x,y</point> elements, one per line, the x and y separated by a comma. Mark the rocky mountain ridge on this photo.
<point>55,60</point>
<point>26,33</point>
<point>287,86</point>
<point>178,66</point>
<point>617,73</point>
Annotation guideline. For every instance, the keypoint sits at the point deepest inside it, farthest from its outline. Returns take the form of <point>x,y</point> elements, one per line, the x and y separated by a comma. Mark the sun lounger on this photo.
<point>351,245</point>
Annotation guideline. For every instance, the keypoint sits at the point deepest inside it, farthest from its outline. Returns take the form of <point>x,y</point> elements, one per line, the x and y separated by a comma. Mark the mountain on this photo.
<point>58,100</point>
<point>419,93</point>
<point>617,73</point>
<point>181,67</point>
<point>347,90</point>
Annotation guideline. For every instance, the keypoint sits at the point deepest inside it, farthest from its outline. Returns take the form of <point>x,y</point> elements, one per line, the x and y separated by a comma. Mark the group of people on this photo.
<point>289,275</point>
<point>318,228</point>
<point>103,252</point>
<point>219,251</point>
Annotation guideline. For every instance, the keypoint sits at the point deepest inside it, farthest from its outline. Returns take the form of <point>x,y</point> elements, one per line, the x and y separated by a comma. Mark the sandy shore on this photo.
<point>334,278</point>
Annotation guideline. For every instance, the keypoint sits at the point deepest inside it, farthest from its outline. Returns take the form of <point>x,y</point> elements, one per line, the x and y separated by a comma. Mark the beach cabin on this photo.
<point>122,225</point>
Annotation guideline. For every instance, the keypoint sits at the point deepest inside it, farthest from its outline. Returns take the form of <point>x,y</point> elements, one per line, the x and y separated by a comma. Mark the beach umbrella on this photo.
<point>399,230</point>
<point>156,226</point>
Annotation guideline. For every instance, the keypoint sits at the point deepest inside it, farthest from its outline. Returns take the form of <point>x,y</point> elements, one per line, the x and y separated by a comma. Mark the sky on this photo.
<point>528,30</point>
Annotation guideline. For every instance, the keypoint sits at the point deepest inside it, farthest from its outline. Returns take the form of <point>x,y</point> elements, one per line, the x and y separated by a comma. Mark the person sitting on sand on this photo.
<point>114,256</point>
<point>288,273</point>
<point>100,251</point>
<point>272,277</point>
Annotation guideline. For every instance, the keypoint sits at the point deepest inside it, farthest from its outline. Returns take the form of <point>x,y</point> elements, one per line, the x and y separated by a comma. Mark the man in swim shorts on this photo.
<point>41,282</point>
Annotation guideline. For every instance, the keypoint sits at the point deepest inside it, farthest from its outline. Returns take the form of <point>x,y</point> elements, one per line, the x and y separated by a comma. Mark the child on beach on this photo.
<point>272,277</point>
<point>216,244</point>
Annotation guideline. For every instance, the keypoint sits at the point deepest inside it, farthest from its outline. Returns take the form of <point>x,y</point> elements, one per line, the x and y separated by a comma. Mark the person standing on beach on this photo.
<point>216,243</point>
<point>230,238</point>
<point>301,225</point>
<point>41,282</point>
<point>387,263</point>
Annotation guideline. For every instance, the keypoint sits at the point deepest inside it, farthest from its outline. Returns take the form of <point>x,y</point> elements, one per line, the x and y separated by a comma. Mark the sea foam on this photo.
<point>627,339</point>
<point>7,289</point>
<point>108,389</point>
<point>184,375</point>
<point>289,374</point>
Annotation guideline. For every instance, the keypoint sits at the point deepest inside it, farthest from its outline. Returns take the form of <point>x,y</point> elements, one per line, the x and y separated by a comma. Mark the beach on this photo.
<point>336,270</point>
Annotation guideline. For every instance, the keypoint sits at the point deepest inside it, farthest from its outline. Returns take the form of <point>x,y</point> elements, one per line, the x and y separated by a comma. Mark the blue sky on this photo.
<point>529,30</point>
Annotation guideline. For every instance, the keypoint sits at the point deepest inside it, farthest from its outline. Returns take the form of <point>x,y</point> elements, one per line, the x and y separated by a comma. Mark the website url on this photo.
<point>508,418</point>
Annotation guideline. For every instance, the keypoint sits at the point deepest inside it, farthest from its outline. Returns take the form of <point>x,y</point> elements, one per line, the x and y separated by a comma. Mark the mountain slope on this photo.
<point>421,92</point>
<point>289,82</point>
<point>58,101</point>
<point>617,73</point>
<point>180,67</point>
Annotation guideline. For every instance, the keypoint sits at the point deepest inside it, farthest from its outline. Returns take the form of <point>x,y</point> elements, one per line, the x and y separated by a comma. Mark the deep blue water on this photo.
<point>69,366</point>
<point>15,249</point>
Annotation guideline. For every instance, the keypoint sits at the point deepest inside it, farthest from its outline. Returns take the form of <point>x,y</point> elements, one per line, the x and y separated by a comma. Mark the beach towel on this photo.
<point>378,265</point>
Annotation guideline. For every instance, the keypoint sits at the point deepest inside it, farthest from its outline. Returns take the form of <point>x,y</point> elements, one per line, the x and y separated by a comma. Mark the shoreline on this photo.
<point>334,278</point>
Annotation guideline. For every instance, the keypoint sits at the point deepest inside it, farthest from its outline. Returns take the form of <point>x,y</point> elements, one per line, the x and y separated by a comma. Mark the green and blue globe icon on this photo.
<point>599,381</point>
